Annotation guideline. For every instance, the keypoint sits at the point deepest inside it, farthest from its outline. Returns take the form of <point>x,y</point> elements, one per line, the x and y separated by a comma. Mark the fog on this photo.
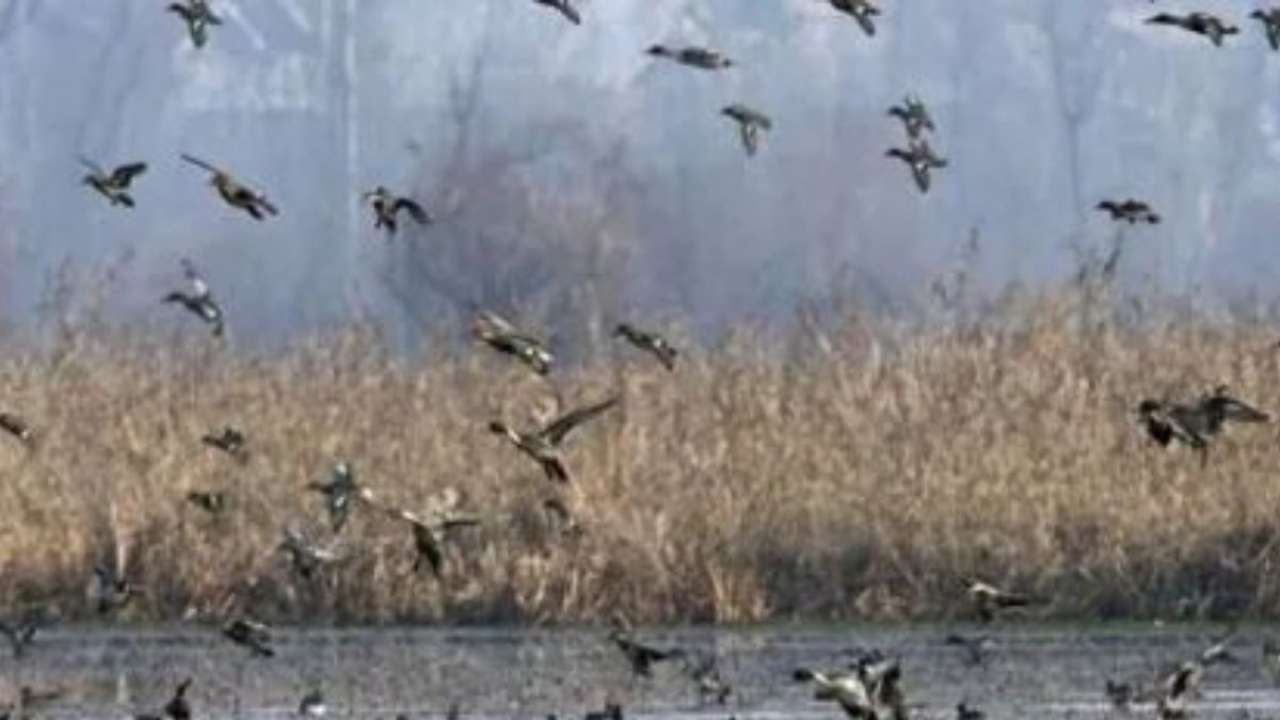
<point>576,179</point>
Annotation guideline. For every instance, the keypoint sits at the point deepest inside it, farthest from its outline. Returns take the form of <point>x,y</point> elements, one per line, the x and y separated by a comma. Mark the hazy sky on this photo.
<point>580,146</point>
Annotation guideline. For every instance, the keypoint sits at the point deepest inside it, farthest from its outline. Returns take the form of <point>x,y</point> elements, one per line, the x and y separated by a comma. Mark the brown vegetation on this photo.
<point>855,477</point>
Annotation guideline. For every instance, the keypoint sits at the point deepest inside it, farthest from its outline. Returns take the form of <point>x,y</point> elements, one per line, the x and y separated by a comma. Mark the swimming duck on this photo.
<point>386,206</point>
<point>543,444</point>
<point>1129,210</point>
<point>1270,19</point>
<point>750,124</point>
<point>988,599</point>
<point>178,708</point>
<point>693,56</point>
<point>114,186</point>
<point>1200,23</point>
<point>861,10</point>
<point>914,116</point>
<point>430,534</point>
<point>340,492</point>
<point>235,193</point>
<point>250,634</point>
<point>1176,689</point>
<point>497,333</point>
<point>230,441</point>
<point>921,158</point>
<point>565,8</point>
<point>198,17</point>
<point>17,427</point>
<point>200,300</point>
<point>649,342</point>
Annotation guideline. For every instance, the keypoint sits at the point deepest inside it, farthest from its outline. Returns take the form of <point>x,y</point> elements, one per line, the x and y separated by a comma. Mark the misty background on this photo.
<point>576,180</point>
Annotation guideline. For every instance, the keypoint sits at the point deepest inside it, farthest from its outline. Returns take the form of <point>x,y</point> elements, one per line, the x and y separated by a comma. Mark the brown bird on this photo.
<point>111,589</point>
<point>1129,210</point>
<point>543,444</point>
<point>341,492</point>
<point>430,534</point>
<point>921,158</point>
<point>650,343</point>
<point>198,17</point>
<point>230,441</point>
<point>696,57</point>
<point>17,427</point>
<point>565,8</point>
<point>1200,23</point>
<point>306,557</point>
<point>1270,19</point>
<point>988,599</point>
<point>1194,424</point>
<point>861,10</point>
<point>639,656</point>
<point>914,116</point>
<point>386,206</point>
<point>114,186</point>
<point>199,301</point>
<point>235,193</point>
<point>497,333</point>
<point>750,124</point>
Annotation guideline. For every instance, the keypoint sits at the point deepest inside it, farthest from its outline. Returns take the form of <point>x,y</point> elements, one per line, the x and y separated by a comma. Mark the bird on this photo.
<point>649,342</point>
<point>976,648</point>
<point>178,708</point>
<point>965,712</point>
<point>921,158</point>
<point>198,17</point>
<point>230,441</point>
<point>704,670</point>
<point>340,492</point>
<point>1129,210</point>
<point>1178,687</point>
<point>750,124</point>
<point>250,634</point>
<point>543,444</point>
<point>558,516</point>
<point>869,690</point>
<point>611,711</point>
<point>386,206</point>
<point>16,427</point>
<point>1270,19</point>
<point>639,656</point>
<point>565,8</point>
<point>112,590</point>
<point>199,301</point>
<point>114,186</point>
<point>1200,23</point>
<point>212,502</point>
<point>312,704</point>
<point>914,116</point>
<point>235,193</point>
<point>1218,651</point>
<point>1121,695</point>
<point>988,599</point>
<point>693,56</point>
<point>306,557</point>
<point>1194,424</point>
<point>497,333</point>
<point>430,534</point>
<point>861,10</point>
<point>21,634</point>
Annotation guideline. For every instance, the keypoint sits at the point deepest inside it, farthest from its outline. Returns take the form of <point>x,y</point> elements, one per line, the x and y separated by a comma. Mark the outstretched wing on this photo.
<point>200,163</point>
<point>125,174</point>
<point>559,428</point>
<point>415,210</point>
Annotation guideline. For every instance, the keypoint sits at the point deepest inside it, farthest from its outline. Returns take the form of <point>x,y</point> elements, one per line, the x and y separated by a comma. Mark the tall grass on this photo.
<point>858,477</point>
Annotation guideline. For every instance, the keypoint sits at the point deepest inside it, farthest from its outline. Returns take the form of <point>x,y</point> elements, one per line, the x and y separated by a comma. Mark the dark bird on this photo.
<point>212,502</point>
<point>112,590</point>
<point>114,186</point>
<point>430,534</point>
<point>21,634</point>
<point>750,124</point>
<point>988,599</point>
<point>704,670</point>
<point>253,635</point>
<point>914,116</point>
<point>543,445</point>
<point>1129,210</point>
<point>178,708</point>
<point>964,712</point>
<point>1176,689</point>
<point>649,342</point>
<point>497,333</point>
<point>1121,695</point>
<point>199,301</point>
<point>861,10</point>
<point>235,193</point>
<point>1270,19</point>
<point>697,57</point>
<point>17,427</point>
<point>639,656</point>
<point>1193,425</point>
<point>386,206</point>
<point>1200,23</point>
<point>340,493</point>
<point>198,17</point>
<point>558,517</point>
<point>312,704</point>
<point>564,7</point>
<point>921,158</point>
<point>305,557</point>
<point>976,648</point>
<point>230,441</point>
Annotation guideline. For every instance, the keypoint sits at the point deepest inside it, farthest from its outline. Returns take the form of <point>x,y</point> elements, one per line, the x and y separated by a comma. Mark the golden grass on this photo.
<point>754,483</point>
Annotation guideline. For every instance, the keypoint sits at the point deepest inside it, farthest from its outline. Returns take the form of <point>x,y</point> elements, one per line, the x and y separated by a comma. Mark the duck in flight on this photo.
<point>649,342</point>
<point>543,444</point>
<point>198,17</point>
<point>921,158</point>
<point>1270,19</point>
<point>499,334</point>
<point>387,205</point>
<point>1194,424</point>
<point>860,10</point>
<point>200,300</point>
<point>692,56</point>
<point>235,193</point>
<point>1129,210</point>
<point>914,115</point>
<point>565,8</point>
<point>750,124</point>
<point>114,186</point>
<point>1201,23</point>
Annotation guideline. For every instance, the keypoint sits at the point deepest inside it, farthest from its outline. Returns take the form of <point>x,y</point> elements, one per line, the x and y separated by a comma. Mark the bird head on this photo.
<point>622,329</point>
<point>1147,407</point>
<point>657,50</point>
<point>497,426</point>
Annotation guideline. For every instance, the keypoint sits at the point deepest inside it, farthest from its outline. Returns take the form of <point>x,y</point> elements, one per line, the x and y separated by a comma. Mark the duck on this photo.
<point>750,124</point>
<point>543,444</point>
<point>1121,695</point>
<point>199,301</point>
<point>387,205</point>
<point>1194,424</point>
<point>965,712</point>
<point>306,558</point>
<point>1176,689</point>
<point>17,428</point>
<point>921,158</point>
<point>1129,210</point>
<point>198,17</point>
<point>212,502</point>
<point>860,10</point>
<point>312,704</point>
<point>112,590</point>
<point>21,634</point>
<point>114,186</point>
<point>988,600</point>
<point>869,690</point>
<point>640,657</point>
<point>649,342</point>
<point>914,116</point>
<point>249,634</point>
<point>340,492</point>
<point>230,441</point>
<point>235,193</point>
<point>564,7</point>
<point>705,673</point>
<point>178,708</point>
<point>430,534</point>
<point>693,56</point>
<point>1201,23</point>
<point>1270,19</point>
<point>499,334</point>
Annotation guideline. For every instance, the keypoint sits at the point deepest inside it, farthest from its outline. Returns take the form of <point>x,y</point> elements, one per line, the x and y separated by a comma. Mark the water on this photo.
<point>1035,671</point>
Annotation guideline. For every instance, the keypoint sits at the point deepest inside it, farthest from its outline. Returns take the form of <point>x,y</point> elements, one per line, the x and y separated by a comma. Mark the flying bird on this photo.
<point>235,193</point>
<point>198,17</point>
<point>306,557</point>
<point>1270,19</point>
<point>114,186</point>
<point>112,591</point>
<point>16,427</point>
<point>230,441</point>
<point>565,8</point>
<point>1200,23</point>
<point>914,115</point>
<point>750,124</point>
<point>1194,424</point>
<point>430,534</point>
<point>693,56</point>
<point>200,300</point>
<point>340,492</point>
<point>640,657</point>
<point>1129,210</point>
<point>543,444</point>
<point>491,329</point>
<point>989,600</point>
<point>649,342</point>
<point>386,206</point>
<point>861,10</point>
<point>921,158</point>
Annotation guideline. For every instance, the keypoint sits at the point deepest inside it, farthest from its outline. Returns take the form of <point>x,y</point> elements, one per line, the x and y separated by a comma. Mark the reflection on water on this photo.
<point>1034,671</point>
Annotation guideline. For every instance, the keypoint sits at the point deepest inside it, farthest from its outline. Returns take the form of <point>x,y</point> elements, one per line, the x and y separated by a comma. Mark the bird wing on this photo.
<point>413,208</point>
<point>201,164</point>
<point>95,167</point>
<point>750,137</point>
<point>569,11</point>
<point>561,426</point>
<point>125,174</point>
<point>1239,411</point>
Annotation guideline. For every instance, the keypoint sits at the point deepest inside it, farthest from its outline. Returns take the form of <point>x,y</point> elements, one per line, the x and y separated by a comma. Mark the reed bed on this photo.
<point>855,478</point>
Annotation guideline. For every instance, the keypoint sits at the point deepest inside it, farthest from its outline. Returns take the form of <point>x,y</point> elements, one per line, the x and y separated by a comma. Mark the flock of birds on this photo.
<point>870,687</point>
